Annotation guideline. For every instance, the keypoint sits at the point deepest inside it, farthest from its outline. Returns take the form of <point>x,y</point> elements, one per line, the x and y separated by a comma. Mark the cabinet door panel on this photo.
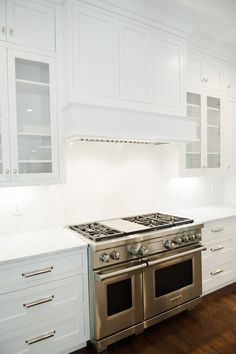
<point>213,74</point>
<point>195,70</point>
<point>33,117</point>
<point>93,43</point>
<point>30,24</point>
<point>170,72</point>
<point>2,20</point>
<point>231,81</point>
<point>4,128</point>
<point>135,63</point>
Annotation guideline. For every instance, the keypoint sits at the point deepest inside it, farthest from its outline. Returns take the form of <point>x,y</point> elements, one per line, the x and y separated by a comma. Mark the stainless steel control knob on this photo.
<point>177,240</point>
<point>115,255</point>
<point>185,238</point>
<point>143,251</point>
<point>105,257</point>
<point>133,250</point>
<point>198,237</point>
<point>169,245</point>
<point>192,237</point>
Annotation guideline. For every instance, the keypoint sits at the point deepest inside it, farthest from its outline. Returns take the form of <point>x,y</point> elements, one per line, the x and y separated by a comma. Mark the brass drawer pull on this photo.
<point>37,272</point>
<point>218,271</point>
<point>40,338</point>
<point>39,302</point>
<point>214,249</point>
<point>218,229</point>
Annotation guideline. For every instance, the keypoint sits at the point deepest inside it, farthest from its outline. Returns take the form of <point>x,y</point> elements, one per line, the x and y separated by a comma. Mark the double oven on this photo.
<point>132,296</point>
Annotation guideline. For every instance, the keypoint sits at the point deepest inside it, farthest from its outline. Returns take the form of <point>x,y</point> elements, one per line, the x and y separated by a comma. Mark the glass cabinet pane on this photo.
<point>213,132</point>
<point>193,150</point>
<point>33,117</point>
<point>1,157</point>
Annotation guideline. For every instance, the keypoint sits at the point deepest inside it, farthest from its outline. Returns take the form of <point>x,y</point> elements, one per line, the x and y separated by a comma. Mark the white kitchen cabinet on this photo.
<point>32,118</point>
<point>230,80</point>
<point>218,261</point>
<point>93,53</point>
<point>230,130</point>
<point>204,71</point>
<point>135,63</point>
<point>44,304</point>
<point>27,23</point>
<point>170,88</point>
<point>116,60</point>
<point>205,156</point>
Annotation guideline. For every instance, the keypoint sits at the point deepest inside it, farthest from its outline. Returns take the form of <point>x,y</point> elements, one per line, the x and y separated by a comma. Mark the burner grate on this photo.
<point>96,231</point>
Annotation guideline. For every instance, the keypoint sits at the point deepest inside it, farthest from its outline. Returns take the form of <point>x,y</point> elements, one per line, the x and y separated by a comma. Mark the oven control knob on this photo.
<point>133,250</point>
<point>185,238</point>
<point>169,245</point>
<point>115,255</point>
<point>192,237</point>
<point>198,237</point>
<point>143,251</point>
<point>105,257</point>
<point>177,240</point>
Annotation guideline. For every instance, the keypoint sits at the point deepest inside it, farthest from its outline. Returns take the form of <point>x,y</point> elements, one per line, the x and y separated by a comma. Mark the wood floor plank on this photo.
<point>210,328</point>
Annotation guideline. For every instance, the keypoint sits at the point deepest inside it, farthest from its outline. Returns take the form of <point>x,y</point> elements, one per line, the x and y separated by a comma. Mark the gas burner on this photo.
<point>97,231</point>
<point>157,221</point>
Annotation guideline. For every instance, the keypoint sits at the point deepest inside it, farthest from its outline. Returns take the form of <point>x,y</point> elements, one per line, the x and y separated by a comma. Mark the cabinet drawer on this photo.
<point>48,337</point>
<point>219,247</point>
<point>215,276</point>
<point>218,229</point>
<point>40,302</point>
<point>39,270</point>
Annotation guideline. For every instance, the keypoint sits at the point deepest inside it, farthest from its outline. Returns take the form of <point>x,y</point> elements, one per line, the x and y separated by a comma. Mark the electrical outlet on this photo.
<point>18,210</point>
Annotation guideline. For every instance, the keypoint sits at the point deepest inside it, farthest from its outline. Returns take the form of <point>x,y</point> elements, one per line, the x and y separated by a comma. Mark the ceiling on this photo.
<point>216,18</point>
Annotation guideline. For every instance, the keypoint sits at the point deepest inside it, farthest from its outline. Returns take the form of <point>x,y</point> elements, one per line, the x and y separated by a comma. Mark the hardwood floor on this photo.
<point>210,328</point>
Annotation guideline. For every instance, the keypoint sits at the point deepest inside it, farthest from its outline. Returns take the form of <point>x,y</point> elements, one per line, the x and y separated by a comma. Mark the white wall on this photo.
<point>106,181</point>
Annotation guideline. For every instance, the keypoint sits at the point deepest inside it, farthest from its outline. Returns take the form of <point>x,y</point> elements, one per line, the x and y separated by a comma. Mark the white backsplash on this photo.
<point>106,181</point>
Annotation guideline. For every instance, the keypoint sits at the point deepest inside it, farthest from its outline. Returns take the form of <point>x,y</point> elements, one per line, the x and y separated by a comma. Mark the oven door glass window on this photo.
<point>172,278</point>
<point>119,296</point>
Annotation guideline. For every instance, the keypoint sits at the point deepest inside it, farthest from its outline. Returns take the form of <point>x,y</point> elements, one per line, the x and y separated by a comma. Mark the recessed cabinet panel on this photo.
<point>33,118</point>
<point>93,45</point>
<point>230,84</point>
<point>213,75</point>
<point>30,24</point>
<point>3,20</point>
<point>194,70</point>
<point>135,63</point>
<point>170,68</point>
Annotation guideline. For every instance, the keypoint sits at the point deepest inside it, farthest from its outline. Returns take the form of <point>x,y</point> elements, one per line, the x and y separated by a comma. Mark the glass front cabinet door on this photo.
<point>205,154</point>
<point>32,117</point>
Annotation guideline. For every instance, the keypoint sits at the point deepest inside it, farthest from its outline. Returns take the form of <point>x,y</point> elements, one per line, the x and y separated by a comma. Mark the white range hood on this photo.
<point>85,123</point>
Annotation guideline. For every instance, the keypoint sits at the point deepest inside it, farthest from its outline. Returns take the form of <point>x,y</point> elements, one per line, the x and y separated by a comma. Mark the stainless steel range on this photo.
<point>142,269</point>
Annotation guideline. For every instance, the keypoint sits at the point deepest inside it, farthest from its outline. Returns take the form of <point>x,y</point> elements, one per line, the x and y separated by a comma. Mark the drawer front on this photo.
<point>42,301</point>
<point>219,247</point>
<point>50,337</point>
<point>216,275</point>
<point>218,229</point>
<point>40,270</point>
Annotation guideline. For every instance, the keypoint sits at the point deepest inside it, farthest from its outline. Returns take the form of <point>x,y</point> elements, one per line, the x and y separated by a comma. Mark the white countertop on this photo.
<point>18,246</point>
<point>208,213</point>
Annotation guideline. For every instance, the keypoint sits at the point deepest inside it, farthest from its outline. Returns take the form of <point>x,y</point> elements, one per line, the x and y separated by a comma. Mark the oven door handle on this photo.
<point>199,249</point>
<point>100,277</point>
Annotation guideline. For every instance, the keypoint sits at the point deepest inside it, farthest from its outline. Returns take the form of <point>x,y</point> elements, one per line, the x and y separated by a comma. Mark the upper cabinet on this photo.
<point>203,71</point>
<point>28,24</point>
<point>230,80</point>
<point>115,60</point>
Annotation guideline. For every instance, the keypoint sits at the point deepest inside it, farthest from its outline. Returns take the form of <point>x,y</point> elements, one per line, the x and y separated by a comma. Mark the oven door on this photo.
<point>118,298</point>
<point>172,280</point>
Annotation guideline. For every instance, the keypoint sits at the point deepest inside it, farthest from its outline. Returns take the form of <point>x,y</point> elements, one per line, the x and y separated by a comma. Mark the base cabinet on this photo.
<point>44,305</point>
<point>218,261</point>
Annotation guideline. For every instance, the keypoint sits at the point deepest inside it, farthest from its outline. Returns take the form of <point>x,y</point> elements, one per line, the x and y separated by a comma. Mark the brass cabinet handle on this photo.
<point>217,271</point>
<point>37,272</point>
<point>39,302</point>
<point>214,249</point>
<point>218,229</point>
<point>40,338</point>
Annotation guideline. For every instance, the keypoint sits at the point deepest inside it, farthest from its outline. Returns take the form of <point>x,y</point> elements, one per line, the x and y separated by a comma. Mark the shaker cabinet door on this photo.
<point>4,128</point>
<point>135,63</point>
<point>3,20</point>
<point>170,73</point>
<point>93,52</point>
<point>213,75</point>
<point>195,70</point>
<point>33,117</point>
<point>30,24</point>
